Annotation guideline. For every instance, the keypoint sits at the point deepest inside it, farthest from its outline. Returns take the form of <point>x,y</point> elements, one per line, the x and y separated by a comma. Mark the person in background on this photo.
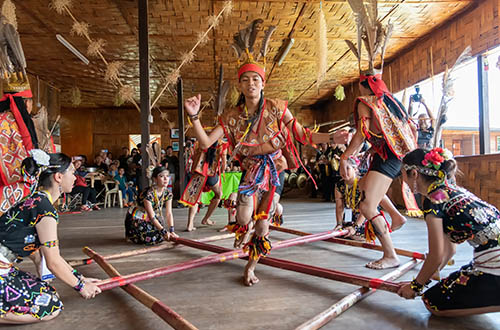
<point>127,191</point>
<point>426,124</point>
<point>113,168</point>
<point>100,164</point>
<point>123,157</point>
<point>89,201</point>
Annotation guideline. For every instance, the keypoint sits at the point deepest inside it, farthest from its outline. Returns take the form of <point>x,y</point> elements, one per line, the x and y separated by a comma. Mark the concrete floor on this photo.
<point>213,297</point>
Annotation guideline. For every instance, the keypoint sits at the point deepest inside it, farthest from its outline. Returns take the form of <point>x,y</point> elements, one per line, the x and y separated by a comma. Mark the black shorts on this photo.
<point>390,167</point>
<point>212,180</point>
<point>464,289</point>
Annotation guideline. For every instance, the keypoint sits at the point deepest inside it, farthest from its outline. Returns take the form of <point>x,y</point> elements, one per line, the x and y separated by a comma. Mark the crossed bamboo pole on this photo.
<point>348,301</point>
<point>401,252</point>
<point>158,307</point>
<point>160,247</point>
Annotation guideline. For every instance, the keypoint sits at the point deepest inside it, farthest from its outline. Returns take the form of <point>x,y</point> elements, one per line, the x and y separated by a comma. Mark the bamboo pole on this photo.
<point>306,269</point>
<point>159,308</point>
<point>348,301</point>
<point>223,255</point>
<point>400,252</point>
<point>160,247</point>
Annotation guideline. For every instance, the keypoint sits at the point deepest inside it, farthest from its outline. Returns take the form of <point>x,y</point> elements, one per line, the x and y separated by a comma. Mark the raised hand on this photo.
<point>192,105</point>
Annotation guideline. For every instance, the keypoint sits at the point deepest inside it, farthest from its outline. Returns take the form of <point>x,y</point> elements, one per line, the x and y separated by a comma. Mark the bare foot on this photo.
<point>249,277</point>
<point>207,222</point>
<point>338,227</point>
<point>397,222</point>
<point>436,276</point>
<point>383,263</point>
<point>191,229</point>
<point>223,229</point>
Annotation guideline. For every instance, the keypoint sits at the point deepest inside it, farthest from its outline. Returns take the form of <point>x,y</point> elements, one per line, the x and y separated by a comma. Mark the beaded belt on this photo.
<point>491,232</point>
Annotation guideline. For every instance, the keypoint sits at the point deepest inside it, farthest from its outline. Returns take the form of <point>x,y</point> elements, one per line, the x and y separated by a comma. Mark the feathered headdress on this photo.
<point>243,46</point>
<point>12,60</point>
<point>371,33</point>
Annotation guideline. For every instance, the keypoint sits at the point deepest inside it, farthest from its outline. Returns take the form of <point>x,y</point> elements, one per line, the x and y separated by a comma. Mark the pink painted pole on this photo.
<point>159,308</point>
<point>224,256</point>
<point>400,252</point>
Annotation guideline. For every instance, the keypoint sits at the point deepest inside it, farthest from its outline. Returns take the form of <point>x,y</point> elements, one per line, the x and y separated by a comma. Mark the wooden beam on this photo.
<point>344,2</point>
<point>144,87</point>
<point>484,105</point>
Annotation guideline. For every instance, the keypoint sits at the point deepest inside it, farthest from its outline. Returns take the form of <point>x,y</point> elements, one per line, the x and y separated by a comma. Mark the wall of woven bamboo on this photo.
<point>481,176</point>
<point>174,26</point>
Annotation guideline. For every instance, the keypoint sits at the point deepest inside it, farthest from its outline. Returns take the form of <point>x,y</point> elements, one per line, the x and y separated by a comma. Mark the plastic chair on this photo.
<point>112,192</point>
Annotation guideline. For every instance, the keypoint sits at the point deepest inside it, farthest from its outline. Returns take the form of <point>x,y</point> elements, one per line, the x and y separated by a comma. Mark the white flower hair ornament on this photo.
<point>447,154</point>
<point>41,157</point>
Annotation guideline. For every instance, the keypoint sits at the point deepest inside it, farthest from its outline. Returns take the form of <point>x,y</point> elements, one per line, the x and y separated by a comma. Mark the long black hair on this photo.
<point>394,105</point>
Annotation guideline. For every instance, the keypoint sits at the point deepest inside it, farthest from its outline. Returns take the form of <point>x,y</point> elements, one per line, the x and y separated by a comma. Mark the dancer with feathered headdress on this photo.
<point>260,132</point>
<point>381,120</point>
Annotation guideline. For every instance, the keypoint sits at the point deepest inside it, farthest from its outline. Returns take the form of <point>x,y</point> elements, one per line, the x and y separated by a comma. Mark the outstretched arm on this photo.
<point>192,107</point>
<point>305,136</point>
<point>429,113</point>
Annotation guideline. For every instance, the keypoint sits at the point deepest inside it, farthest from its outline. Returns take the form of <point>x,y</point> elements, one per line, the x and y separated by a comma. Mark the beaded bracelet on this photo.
<point>171,229</point>
<point>417,287</point>
<point>79,286</point>
<point>77,274</point>
<point>163,232</point>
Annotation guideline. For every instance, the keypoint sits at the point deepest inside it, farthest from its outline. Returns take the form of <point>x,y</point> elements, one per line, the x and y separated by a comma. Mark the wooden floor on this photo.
<point>213,297</point>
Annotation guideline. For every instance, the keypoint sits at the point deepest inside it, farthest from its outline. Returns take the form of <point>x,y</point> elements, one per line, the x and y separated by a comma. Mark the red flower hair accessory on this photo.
<point>434,158</point>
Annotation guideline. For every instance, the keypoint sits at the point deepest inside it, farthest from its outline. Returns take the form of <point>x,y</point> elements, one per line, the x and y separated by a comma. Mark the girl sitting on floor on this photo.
<point>29,229</point>
<point>454,215</point>
<point>145,224</point>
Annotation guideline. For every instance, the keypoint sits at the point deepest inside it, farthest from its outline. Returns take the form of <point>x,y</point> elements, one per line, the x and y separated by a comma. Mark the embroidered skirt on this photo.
<point>464,289</point>
<point>22,293</point>
<point>141,231</point>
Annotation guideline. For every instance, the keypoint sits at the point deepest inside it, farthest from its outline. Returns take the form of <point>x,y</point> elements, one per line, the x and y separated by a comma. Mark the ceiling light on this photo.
<point>288,46</point>
<point>72,49</point>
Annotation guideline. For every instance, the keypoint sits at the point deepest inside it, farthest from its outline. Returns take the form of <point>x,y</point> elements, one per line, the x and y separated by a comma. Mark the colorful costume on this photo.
<point>207,167</point>
<point>466,218</point>
<point>139,227</point>
<point>17,131</point>
<point>21,292</point>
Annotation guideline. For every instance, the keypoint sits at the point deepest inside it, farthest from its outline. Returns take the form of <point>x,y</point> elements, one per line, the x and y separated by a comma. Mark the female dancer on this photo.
<point>144,224</point>
<point>29,229</point>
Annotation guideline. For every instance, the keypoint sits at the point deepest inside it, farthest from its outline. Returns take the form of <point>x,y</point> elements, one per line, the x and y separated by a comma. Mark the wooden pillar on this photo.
<point>180,109</point>
<point>484,112</point>
<point>144,87</point>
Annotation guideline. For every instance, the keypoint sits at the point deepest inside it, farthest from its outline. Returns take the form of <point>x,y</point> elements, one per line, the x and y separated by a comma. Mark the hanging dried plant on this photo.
<point>213,21</point>
<point>164,116</point>
<point>173,77</point>
<point>96,47</point>
<point>76,96</point>
<point>339,93</point>
<point>81,29</point>
<point>118,102</point>
<point>60,5</point>
<point>203,38</point>
<point>112,71</point>
<point>127,93</point>
<point>227,8</point>
<point>9,11</point>
<point>321,47</point>
<point>187,58</point>
<point>290,93</point>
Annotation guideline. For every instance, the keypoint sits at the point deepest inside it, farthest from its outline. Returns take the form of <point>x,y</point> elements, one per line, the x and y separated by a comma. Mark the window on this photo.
<point>494,97</point>
<point>135,139</point>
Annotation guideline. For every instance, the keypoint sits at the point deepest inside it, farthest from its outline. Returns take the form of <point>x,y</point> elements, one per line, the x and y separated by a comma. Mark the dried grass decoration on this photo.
<point>81,29</point>
<point>9,12</point>
<point>60,5</point>
<point>234,96</point>
<point>96,47</point>
<point>290,93</point>
<point>339,93</point>
<point>321,47</point>
<point>76,96</point>
<point>127,93</point>
<point>112,71</point>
